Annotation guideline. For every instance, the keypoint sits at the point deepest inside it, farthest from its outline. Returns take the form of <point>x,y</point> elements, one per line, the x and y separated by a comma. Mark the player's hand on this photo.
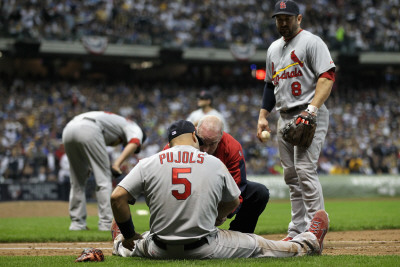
<point>115,171</point>
<point>262,126</point>
<point>130,243</point>
<point>220,221</point>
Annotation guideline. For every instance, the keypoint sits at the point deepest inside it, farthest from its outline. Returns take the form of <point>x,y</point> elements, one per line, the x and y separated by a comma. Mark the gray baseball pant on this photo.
<point>300,172</point>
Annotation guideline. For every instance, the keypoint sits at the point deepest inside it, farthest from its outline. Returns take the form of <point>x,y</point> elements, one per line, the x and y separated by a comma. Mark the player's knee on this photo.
<point>262,193</point>
<point>265,193</point>
<point>290,175</point>
<point>306,172</point>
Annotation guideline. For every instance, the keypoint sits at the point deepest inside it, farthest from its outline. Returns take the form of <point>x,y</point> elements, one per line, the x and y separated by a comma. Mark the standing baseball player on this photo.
<point>86,138</point>
<point>189,193</point>
<point>299,77</point>
<point>204,102</point>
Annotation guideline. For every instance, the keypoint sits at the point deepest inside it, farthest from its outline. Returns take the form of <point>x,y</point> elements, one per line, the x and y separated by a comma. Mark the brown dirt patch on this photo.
<point>371,242</point>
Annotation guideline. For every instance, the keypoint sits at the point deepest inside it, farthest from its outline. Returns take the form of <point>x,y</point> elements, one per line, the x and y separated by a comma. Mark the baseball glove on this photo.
<point>300,131</point>
<point>90,254</point>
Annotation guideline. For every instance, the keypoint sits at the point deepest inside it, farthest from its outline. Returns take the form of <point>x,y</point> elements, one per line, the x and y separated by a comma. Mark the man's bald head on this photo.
<point>210,128</point>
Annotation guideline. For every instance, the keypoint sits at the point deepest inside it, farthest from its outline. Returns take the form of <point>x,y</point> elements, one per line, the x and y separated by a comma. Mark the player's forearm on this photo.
<point>119,204</point>
<point>122,216</point>
<point>263,114</point>
<point>128,150</point>
<point>322,92</point>
<point>225,208</point>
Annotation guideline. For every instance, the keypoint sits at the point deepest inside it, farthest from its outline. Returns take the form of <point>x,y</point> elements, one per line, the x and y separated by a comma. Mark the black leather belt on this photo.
<point>190,246</point>
<point>297,108</point>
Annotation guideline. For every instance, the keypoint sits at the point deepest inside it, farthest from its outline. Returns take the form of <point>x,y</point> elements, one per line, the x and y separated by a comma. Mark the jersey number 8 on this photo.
<point>296,89</point>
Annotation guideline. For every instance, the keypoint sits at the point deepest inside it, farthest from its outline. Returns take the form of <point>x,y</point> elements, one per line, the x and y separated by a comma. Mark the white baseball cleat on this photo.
<point>117,242</point>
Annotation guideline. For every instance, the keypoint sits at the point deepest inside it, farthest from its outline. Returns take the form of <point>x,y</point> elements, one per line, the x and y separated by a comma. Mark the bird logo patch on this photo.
<point>295,58</point>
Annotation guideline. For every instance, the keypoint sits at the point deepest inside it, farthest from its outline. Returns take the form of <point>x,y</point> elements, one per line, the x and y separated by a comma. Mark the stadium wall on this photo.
<point>198,54</point>
<point>338,186</point>
<point>351,186</point>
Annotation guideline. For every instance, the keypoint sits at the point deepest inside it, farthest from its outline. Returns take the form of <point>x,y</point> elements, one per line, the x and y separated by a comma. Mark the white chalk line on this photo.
<point>382,241</point>
<point>48,248</point>
<point>93,244</point>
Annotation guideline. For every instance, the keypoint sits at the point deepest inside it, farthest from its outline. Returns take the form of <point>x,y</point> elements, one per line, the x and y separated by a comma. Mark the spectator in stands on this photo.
<point>201,23</point>
<point>156,105</point>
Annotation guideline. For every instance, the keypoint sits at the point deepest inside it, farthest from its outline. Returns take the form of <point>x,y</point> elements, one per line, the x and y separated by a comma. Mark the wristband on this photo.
<point>312,109</point>
<point>127,228</point>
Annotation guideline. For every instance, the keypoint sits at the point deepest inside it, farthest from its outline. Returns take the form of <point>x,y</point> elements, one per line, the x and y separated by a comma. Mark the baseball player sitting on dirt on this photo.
<point>189,194</point>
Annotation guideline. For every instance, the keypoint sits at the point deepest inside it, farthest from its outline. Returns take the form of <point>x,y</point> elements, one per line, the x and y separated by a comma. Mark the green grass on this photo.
<point>307,261</point>
<point>344,215</point>
<point>361,214</point>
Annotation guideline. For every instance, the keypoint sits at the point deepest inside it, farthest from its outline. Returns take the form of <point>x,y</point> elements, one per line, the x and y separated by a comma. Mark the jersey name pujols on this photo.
<point>181,157</point>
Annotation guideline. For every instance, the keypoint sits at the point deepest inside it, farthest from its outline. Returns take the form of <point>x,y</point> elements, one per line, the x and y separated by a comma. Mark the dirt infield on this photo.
<point>377,242</point>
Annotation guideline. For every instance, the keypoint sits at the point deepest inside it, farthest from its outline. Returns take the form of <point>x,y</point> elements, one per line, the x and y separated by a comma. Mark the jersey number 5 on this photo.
<point>181,180</point>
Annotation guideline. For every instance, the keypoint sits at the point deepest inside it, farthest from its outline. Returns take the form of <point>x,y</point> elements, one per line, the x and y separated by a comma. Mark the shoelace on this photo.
<point>314,227</point>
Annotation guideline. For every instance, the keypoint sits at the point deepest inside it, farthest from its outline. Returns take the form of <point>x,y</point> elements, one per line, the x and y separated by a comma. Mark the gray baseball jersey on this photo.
<point>182,187</point>
<point>294,68</point>
<point>116,129</point>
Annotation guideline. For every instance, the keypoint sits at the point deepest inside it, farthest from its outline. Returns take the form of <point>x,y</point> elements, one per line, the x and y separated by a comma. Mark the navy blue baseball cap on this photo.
<point>182,127</point>
<point>286,7</point>
<point>205,95</point>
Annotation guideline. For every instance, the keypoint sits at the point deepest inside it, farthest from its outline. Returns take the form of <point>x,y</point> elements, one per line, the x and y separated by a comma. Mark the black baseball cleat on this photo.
<point>319,227</point>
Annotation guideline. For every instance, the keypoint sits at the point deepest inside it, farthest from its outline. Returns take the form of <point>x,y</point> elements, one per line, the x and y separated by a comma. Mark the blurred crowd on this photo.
<point>346,26</point>
<point>364,133</point>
